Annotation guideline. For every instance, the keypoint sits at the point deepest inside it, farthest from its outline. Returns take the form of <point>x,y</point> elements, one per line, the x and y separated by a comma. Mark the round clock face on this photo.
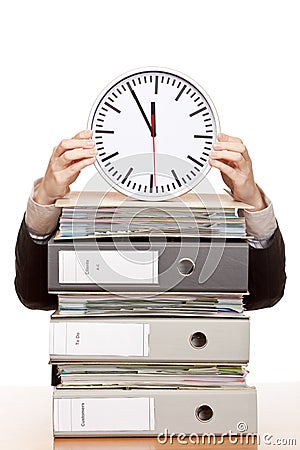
<point>154,130</point>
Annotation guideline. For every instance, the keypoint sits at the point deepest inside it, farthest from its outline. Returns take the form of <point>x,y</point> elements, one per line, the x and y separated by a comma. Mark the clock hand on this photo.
<point>153,134</point>
<point>140,107</point>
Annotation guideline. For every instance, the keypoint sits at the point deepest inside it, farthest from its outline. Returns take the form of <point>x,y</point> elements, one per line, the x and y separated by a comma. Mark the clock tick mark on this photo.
<point>112,107</point>
<point>202,136</point>
<point>151,182</point>
<point>156,85</point>
<point>195,160</point>
<point>127,175</point>
<point>180,93</point>
<point>109,156</point>
<point>198,111</point>
<point>176,177</point>
<point>104,131</point>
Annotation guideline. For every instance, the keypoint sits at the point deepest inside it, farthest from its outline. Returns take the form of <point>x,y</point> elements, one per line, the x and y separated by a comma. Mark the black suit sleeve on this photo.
<point>31,281</point>
<point>266,274</point>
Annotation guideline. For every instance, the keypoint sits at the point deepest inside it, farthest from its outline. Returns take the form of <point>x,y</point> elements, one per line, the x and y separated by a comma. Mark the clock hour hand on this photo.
<point>140,107</point>
<point>153,120</point>
<point>153,134</point>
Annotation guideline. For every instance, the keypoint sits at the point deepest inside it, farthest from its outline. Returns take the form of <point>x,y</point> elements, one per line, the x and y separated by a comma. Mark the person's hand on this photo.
<point>231,157</point>
<point>65,164</point>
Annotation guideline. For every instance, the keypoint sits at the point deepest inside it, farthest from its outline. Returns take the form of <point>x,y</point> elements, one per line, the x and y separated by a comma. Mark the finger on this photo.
<point>74,169</point>
<point>84,134</point>
<point>70,144</point>
<point>74,155</point>
<point>226,169</point>
<point>233,146</point>
<point>230,157</point>
<point>222,137</point>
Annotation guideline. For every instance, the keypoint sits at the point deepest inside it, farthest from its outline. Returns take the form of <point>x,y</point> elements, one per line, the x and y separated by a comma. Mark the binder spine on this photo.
<point>153,412</point>
<point>211,340</point>
<point>211,266</point>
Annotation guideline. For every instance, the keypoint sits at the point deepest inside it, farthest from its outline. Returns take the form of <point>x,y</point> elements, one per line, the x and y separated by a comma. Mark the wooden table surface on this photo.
<point>25,423</point>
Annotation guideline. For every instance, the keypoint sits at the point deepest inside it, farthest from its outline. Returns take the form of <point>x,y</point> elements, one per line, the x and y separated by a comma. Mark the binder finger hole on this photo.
<point>198,340</point>
<point>204,413</point>
<point>186,267</point>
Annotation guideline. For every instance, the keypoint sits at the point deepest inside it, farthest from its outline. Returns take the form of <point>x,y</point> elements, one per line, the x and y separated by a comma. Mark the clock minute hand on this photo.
<point>140,108</point>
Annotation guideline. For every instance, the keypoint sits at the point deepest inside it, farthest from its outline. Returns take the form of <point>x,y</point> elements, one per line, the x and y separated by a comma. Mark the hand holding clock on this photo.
<point>67,161</point>
<point>231,157</point>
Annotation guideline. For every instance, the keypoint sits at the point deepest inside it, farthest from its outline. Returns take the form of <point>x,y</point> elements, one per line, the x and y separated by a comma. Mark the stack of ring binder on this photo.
<point>150,336</point>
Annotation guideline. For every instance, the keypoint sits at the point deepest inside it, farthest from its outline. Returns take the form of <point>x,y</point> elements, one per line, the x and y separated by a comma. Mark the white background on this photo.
<point>55,59</point>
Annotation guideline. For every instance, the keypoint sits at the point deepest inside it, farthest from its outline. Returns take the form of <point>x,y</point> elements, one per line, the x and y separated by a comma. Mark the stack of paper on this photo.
<point>149,376</point>
<point>149,334</point>
<point>115,214</point>
<point>160,305</point>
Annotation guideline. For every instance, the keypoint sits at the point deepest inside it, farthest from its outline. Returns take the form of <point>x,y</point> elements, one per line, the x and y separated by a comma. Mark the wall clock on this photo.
<point>154,129</point>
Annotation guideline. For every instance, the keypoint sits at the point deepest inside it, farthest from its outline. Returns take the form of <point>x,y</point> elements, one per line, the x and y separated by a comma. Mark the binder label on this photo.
<point>101,339</point>
<point>108,267</point>
<point>104,414</point>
